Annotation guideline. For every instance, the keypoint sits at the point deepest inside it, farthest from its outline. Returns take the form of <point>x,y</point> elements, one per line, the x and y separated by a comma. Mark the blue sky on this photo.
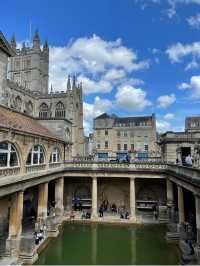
<point>135,57</point>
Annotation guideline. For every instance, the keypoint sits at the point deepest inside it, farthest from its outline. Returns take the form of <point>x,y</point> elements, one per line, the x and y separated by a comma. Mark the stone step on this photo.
<point>172,236</point>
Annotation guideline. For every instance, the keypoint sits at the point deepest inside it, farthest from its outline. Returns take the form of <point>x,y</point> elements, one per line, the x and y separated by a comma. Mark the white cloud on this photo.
<point>193,86</point>
<point>162,126</point>
<point>169,116</point>
<point>192,65</point>
<point>184,86</point>
<point>92,86</point>
<point>178,51</point>
<point>99,61</point>
<point>166,100</point>
<point>194,21</point>
<point>91,110</point>
<point>131,99</point>
<point>114,74</point>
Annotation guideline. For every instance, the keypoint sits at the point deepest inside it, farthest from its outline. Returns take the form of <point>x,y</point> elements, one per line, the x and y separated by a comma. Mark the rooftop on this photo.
<point>14,120</point>
<point>5,46</point>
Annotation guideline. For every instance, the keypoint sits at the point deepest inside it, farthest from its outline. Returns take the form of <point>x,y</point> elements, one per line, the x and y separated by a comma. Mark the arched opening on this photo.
<point>18,103</point>
<point>29,108</point>
<point>60,110</point>
<point>8,155</point>
<point>55,156</point>
<point>36,155</point>
<point>44,111</point>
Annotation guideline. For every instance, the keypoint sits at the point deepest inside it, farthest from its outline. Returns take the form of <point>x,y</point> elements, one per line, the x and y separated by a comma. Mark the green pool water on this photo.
<point>110,244</point>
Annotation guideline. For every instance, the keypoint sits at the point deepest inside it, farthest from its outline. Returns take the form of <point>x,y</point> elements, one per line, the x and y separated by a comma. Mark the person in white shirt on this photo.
<point>188,160</point>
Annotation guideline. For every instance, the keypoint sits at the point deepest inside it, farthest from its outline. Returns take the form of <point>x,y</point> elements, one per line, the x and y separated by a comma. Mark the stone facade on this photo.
<point>175,146</point>
<point>114,136</point>
<point>26,91</point>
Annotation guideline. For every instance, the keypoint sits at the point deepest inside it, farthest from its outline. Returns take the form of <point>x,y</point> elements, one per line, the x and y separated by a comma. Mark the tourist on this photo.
<point>83,216</point>
<point>114,208</point>
<point>88,215</point>
<point>126,216</point>
<point>188,160</point>
<point>101,209</point>
<point>155,211</point>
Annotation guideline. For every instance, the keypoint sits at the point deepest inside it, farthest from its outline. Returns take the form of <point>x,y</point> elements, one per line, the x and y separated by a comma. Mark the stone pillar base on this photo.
<point>12,247</point>
<point>29,259</point>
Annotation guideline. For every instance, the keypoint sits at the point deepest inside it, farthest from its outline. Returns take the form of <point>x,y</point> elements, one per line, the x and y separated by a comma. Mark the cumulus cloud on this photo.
<point>169,116</point>
<point>92,110</point>
<point>92,86</point>
<point>194,21</point>
<point>177,52</point>
<point>193,86</point>
<point>101,62</point>
<point>131,99</point>
<point>166,100</point>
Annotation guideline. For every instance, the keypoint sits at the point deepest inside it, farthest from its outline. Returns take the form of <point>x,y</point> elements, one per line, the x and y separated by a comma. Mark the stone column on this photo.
<point>181,213</point>
<point>42,201</point>
<point>59,190</point>
<point>197,204</point>
<point>170,198</point>
<point>170,195</point>
<point>132,199</point>
<point>16,214</point>
<point>94,197</point>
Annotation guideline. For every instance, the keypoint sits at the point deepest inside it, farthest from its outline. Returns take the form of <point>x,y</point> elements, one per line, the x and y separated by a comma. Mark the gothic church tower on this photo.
<point>30,66</point>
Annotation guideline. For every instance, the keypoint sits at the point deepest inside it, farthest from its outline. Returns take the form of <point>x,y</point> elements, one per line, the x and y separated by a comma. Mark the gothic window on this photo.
<point>60,110</point>
<point>55,156</point>
<point>8,155</point>
<point>44,111</point>
<point>67,132</point>
<point>29,108</point>
<point>35,156</point>
<point>18,103</point>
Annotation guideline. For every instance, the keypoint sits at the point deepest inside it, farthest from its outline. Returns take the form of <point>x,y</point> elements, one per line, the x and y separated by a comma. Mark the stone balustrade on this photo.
<point>11,171</point>
<point>188,174</point>
<point>92,165</point>
<point>35,168</point>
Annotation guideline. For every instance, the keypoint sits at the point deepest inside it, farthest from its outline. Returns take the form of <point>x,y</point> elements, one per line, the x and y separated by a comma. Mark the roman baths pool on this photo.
<point>92,244</point>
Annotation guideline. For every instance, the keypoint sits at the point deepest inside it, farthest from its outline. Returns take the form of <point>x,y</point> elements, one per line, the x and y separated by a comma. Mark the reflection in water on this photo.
<point>133,246</point>
<point>110,244</point>
<point>94,244</point>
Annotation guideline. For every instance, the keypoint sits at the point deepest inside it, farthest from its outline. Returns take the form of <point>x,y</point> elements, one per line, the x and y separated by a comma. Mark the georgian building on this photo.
<point>175,146</point>
<point>115,136</point>
<point>26,91</point>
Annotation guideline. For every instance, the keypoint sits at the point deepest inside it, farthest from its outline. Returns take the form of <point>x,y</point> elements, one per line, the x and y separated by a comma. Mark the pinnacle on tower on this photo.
<point>46,45</point>
<point>51,89</point>
<point>69,83</point>
<point>74,83</point>
<point>36,40</point>
<point>13,42</point>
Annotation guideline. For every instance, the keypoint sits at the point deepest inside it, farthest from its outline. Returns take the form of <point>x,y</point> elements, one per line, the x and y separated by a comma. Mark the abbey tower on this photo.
<point>26,90</point>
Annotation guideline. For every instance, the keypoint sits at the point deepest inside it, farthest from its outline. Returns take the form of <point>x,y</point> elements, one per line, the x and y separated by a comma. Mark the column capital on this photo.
<point>132,177</point>
<point>94,177</point>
